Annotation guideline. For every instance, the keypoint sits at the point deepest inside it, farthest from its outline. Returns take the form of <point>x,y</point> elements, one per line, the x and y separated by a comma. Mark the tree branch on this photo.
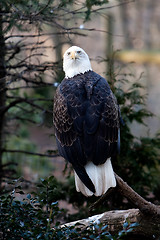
<point>31,153</point>
<point>32,99</point>
<point>22,119</point>
<point>126,191</point>
<point>20,100</point>
<point>144,206</point>
<point>44,34</point>
<point>42,9</point>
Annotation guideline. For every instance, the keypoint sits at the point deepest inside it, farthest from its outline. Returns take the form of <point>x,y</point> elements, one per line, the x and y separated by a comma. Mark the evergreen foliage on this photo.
<point>35,217</point>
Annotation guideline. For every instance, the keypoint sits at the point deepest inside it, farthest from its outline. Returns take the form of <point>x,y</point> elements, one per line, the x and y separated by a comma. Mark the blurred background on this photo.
<point>122,41</point>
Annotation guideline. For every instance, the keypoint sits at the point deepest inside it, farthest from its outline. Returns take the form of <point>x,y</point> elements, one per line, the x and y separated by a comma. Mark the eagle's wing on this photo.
<point>68,140</point>
<point>62,121</point>
<point>101,121</point>
<point>106,121</point>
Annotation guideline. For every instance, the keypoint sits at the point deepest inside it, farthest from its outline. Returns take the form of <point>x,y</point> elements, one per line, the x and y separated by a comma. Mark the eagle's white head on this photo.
<point>75,61</point>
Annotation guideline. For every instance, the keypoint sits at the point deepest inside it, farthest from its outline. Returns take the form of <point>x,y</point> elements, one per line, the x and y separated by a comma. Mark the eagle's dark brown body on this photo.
<point>86,119</point>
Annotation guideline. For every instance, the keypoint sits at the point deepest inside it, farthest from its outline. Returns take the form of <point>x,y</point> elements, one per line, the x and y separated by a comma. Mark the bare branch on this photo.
<point>45,34</point>
<point>101,199</point>
<point>42,9</point>
<point>8,164</point>
<point>21,77</point>
<point>33,99</point>
<point>126,191</point>
<point>22,119</point>
<point>31,153</point>
<point>20,100</point>
<point>144,206</point>
<point>23,87</point>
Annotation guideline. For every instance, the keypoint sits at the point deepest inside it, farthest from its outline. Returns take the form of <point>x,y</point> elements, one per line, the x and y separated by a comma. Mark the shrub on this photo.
<point>31,217</point>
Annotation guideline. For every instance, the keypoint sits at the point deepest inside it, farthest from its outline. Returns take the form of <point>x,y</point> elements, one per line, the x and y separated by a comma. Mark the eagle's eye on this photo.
<point>68,53</point>
<point>78,52</point>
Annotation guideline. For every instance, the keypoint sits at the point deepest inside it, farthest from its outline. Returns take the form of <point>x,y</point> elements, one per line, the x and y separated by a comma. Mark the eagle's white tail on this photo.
<point>102,177</point>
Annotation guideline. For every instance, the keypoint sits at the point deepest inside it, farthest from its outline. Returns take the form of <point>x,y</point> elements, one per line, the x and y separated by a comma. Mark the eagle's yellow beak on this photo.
<point>74,55</point>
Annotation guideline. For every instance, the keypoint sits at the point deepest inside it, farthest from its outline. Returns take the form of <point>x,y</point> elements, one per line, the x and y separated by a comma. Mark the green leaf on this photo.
<point>125,225</point>
<point>104,227</point>
<point>136,224</point>
<point>29,196</point>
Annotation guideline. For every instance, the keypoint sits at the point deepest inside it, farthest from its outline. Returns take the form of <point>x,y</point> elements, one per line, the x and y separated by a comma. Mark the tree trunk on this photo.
<point>2,89</point>
<point>125,25</point>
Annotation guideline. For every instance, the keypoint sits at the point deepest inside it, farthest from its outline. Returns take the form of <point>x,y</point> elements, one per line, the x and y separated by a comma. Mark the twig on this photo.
<point>101,199</point>
<point>42,9</point>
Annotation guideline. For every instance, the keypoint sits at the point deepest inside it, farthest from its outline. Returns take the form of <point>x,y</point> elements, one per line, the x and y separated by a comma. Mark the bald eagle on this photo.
<point>86,120</point>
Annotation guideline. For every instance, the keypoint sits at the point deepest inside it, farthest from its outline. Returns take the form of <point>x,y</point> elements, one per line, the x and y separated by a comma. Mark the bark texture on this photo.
<point>149,227</point>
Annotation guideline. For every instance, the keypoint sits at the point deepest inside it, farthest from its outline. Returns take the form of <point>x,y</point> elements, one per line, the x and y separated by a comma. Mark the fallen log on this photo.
<point>149,228</point>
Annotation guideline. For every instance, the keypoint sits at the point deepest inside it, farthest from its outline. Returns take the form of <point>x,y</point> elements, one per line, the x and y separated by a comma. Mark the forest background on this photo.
<point>122,41</point>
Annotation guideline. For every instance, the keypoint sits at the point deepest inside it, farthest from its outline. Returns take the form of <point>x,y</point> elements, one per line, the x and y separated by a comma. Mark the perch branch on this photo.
<point>125,190</point>
<point>144,206</point>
